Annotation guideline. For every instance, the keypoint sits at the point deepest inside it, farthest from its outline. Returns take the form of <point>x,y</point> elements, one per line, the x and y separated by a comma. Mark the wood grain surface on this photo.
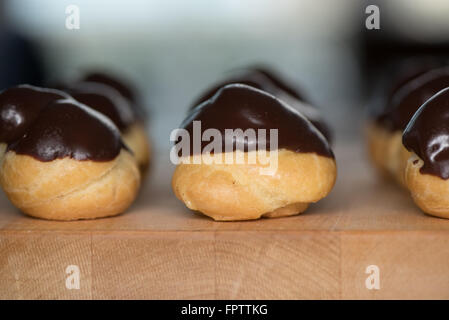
<point>161,250</point>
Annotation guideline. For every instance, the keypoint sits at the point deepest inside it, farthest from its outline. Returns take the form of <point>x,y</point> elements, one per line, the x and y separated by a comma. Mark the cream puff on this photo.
<point>384,134</point>
<point>245,188</point>
<point>62,159</point>
<point>427,171</point>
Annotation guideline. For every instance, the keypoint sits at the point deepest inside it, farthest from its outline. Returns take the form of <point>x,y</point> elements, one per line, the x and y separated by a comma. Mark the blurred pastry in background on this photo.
<point>19,106</point>
<point>384,133</point>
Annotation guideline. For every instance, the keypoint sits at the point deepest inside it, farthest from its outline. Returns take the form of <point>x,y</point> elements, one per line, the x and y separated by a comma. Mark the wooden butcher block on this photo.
<point>365,240</point>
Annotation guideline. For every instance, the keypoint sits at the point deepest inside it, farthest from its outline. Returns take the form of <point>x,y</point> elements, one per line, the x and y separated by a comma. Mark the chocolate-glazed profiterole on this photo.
<point>244,107</point>
<point>303,164</point>
<point>385,134</point>
<point>63,160</point>
<point>427,171</point>
<point>266,80</point>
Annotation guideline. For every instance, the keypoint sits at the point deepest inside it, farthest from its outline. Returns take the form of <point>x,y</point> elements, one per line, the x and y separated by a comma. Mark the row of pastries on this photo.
<point>79,150</point>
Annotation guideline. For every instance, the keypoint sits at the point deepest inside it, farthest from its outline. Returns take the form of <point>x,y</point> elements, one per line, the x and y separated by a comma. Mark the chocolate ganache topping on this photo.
<point>105,100</point>
<point>265,80</point>
<point>19,108</point>
<point>238,106</point>
<point>427,135</point>
<point>411,96</point>
<point>49,124</point>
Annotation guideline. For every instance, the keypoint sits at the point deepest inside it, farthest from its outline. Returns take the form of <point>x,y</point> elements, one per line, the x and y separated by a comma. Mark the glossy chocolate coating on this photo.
<point>20,106</point>
<point>106,101</point>
<point>49,124</point>
<point>239,106</point>
<point>267,81</point>
<point>411,96</point>
<point>121,86</point>
<point>427,135</point>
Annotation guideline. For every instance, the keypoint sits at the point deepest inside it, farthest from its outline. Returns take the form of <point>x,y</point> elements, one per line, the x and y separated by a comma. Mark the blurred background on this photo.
<point>172,50</point>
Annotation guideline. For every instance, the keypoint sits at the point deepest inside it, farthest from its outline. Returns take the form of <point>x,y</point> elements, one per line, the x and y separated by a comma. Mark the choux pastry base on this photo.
<point>68,189</point>
<point>290,210</point>
<point>229,192</point>
<point>430,193</point>
<point>2,150</point>
<point>403,157</point>
<point>397,158</point>
<point>387,153</point>
<point>137,140</point>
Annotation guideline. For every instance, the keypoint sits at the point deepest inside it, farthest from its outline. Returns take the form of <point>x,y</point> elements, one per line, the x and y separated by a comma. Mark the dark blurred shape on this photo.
<point>260,77</point>
<point>19,58</point>
<point>411,96</point>
<point>279,81</point>
<point>19,61</point>
<point>411,69</point>
<point>112,81</point>
<point>403,73</point>
<point>390,59</point>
